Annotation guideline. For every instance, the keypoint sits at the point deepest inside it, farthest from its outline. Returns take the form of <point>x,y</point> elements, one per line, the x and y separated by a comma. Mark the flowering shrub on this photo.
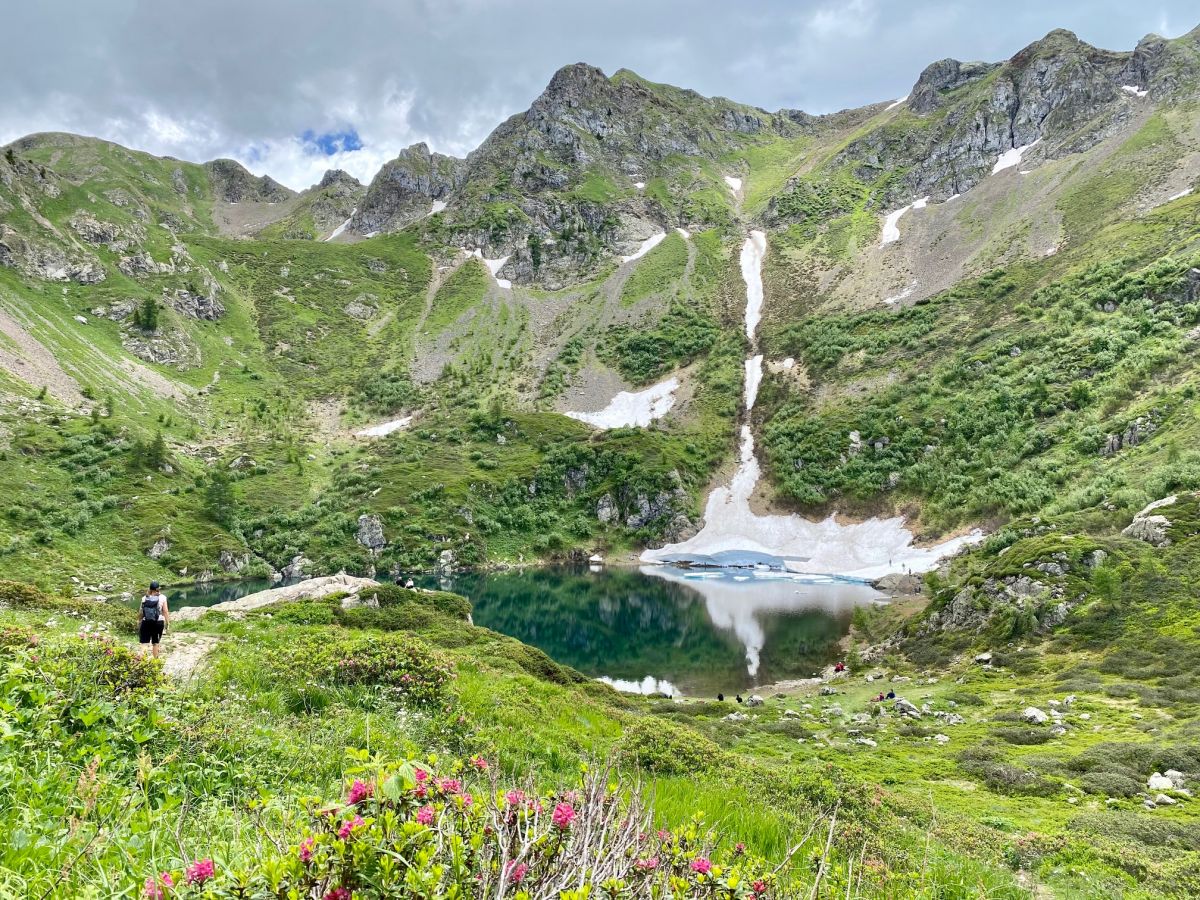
<point>405,832</point>
<point>402,662</point>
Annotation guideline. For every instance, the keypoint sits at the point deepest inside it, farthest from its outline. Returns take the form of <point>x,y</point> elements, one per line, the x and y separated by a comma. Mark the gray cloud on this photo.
<point>244,78</point>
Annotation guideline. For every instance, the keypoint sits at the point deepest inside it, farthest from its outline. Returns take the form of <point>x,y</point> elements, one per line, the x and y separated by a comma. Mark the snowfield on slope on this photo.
<point>633,409</point>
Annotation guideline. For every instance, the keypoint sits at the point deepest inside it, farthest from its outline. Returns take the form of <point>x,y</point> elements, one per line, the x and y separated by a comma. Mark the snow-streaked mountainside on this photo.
<point>957,309</point>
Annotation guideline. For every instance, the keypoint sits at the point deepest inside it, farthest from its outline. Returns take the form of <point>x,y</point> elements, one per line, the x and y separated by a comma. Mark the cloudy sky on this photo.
<point>293,87</point>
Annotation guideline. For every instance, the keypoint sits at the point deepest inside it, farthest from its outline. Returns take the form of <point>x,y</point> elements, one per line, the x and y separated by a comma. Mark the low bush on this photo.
<point>403,663</point>
<point>1109,784</point>
<point>453,605</point>
<point>665,748</point>
<point>1024,737</point>
<point>989,766</point>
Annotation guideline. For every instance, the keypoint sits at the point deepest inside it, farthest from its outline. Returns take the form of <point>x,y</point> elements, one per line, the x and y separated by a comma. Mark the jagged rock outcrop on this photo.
<point>232,183</point>
<point>1150,526</point>
<point>942,77</point>
<point>47,261</point>
<point>370,532</point>
<point>405,190</point>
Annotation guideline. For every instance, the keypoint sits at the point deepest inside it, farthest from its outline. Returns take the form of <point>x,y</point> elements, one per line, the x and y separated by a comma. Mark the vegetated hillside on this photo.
<point>185,367</point>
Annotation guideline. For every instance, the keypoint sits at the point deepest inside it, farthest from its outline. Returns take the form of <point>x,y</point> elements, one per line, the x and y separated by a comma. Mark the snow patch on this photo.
<point>754,376</point>
<point>646,246</point>
<point>1134,90</point>
<point>735,184</point>
<point>683,233</point>
<point>384,428</point>
<point>338,231</point>
<point>633,409</point>
<point>494,266</point>
<point>647,686</point>
<point>753,252</point>
<point>904,294</point>
<point>952,197</point>
<point>891,224</point>
<point>895,103</point>
<point>438,206</point>
<point>640,185</point>
<point>1180,195</point>
<point>1011,158</point>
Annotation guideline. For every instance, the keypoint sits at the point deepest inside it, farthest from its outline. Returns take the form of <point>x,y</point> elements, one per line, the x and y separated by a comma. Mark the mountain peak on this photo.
<point>338,176</point>
<point>941,77</point>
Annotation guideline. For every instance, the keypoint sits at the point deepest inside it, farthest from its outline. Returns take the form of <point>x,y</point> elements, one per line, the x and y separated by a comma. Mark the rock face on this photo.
<point>940,78</point>
<point>971,609</point>
<point>313,588</point>
<point>233,184</point>
<point>298,567</point>
<point>405,188</point>
<point>231,564</point>
<point>1150,526</point>
<point>161,546</point>
<point>47,261</point>
<point>370,532</point>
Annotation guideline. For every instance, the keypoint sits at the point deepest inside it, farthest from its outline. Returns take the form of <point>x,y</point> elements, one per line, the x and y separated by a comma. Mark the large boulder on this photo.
<point>1150,526</point>
<point>312,589</point>
<point>370,532</point>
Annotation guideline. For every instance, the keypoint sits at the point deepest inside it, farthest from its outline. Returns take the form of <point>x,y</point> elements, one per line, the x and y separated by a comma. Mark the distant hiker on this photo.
<point>152,618</point>
<point>720,698</point>
<point>409,584</point>
<point>840,667</point>
<point>739,698</point>
<point>878,699</point>
<point>891,695</point>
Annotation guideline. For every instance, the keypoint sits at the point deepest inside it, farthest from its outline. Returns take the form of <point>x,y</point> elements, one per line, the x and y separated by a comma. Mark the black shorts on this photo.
<point>150,632</point>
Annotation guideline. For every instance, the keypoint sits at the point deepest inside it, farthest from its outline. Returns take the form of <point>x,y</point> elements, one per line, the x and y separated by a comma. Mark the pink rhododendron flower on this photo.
<point>516,872</point>
<point>759,887</point>
<point>701,865</point>
<point>664,835</point>
<point>421,792</point>
<point>305,850</point>
<point>339,893</point>
<point>349,825</point>
<point>200,871</point>
<point>358,792</point>
<point>647,865</point>
<point>425,815</point>
<point>467,800</point>
<point>155,888</point>
<point>449,785</point>
<point>422,775</point>
<point>564,814</point>
<point>515,798</point>
<point>480,763</point>
<point>740,848</point>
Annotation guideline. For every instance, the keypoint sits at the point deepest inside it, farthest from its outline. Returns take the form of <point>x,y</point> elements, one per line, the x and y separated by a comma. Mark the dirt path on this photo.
<point>183,654</point>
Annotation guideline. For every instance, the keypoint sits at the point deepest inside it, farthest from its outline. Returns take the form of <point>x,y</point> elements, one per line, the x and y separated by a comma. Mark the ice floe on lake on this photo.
<point>1012,158</point>
<point>629,409</point>
<point>646,246</point>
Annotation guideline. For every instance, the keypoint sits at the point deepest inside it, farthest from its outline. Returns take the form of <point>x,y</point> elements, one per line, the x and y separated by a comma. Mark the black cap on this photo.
<point>154,585</point>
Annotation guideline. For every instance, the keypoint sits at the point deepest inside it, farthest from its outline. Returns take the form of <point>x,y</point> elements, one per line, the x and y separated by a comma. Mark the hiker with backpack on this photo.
<point>153,616</point>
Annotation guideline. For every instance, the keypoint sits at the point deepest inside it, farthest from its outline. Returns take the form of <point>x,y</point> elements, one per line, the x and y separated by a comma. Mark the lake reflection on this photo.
<point>660,627</point>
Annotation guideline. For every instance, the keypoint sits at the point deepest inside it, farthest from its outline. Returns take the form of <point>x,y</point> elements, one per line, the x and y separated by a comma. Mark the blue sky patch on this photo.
<point>331,142</point>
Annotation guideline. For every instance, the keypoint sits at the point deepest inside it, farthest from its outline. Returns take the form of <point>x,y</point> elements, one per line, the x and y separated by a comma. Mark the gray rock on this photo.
<point>370,532</point>
<point>754,700</point>
<point>161,546</point>
<point>1150,526</point>
<point>298,567</point>
<point>606,509</point>
<point>1035,716</point>
<point>905,709</point>
<point>232,564</point>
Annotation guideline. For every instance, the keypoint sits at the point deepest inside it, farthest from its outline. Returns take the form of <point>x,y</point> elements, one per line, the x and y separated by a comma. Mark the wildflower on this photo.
<point>701,865</point>
<point>305,850</point>
<point>480,763</point>
<point>647,865</point>
<point>515,798</point>
<point>338,893</point>
<point>425,815</point>
<point>467,801</point>
<point>349,825</point>
<point>421,792</point>
<point>664,835</point>
<point>449,785</point>
<point>516,872</point>
<point>200,871</point>
<point>359,791</point>
<point>422,775</point>
<point>155,887</point>
<point>759,887</point>
<point>739,849</point>
<point>564,814</point>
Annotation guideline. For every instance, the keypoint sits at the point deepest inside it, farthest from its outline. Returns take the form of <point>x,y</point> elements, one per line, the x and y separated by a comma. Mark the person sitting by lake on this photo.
<point>720,698</point>
<point>839,667</point>
<point>878,699</point>
<point>891,695</point>
<point>409,584</point>
<point>153,616</point>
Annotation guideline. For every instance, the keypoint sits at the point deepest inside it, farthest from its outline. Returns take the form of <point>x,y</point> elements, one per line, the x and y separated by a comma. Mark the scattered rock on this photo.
<point>161,546</point>
<point>370,532</point>
<point>1149,526</point>
<point>754,700</point>
<point>1034,716</point>
<point>298,567</point>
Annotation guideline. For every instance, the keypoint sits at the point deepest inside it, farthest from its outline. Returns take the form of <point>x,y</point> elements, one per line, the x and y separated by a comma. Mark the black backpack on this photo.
<point>150,607</point>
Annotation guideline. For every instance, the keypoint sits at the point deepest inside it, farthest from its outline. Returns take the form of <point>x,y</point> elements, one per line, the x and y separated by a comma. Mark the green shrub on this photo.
<point>666,748</point>
<point>119,617</point>
<point>1109,784</point>
<point>400,662</point>
<point>1024,737</point>
<point>305,612</point>
<point>444,602</point>
<point>989,766</point>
